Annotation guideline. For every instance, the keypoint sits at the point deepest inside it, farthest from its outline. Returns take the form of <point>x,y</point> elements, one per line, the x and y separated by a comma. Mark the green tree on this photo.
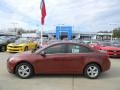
<point>116,33</point>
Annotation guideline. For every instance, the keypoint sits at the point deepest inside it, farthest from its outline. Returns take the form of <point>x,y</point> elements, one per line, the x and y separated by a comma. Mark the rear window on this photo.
<point>78,49</point>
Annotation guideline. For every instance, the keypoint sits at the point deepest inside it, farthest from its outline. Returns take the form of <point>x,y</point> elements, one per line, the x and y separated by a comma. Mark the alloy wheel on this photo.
<point>24,70</point>
<point>92,71</point>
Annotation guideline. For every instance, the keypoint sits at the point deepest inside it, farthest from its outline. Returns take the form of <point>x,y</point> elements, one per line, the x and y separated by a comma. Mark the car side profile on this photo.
<point>59,58</point>
<point>21,45</point>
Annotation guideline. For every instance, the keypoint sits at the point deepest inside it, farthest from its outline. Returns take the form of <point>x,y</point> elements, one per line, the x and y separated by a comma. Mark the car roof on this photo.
<point>65,42</point>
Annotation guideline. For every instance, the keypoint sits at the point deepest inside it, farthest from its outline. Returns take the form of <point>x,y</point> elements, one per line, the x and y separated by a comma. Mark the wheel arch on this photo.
<point>26,46</point>
<point>24,61</point>
<point>92,63</point>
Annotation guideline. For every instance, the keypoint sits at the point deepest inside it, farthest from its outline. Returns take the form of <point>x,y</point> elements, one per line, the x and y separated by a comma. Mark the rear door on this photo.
<point>75,57</point>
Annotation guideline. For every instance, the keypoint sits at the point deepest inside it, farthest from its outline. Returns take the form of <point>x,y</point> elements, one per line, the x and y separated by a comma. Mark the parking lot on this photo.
<point>109,80</point>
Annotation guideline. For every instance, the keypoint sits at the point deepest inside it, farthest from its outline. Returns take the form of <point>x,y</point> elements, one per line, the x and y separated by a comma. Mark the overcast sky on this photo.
<point>83,15</point>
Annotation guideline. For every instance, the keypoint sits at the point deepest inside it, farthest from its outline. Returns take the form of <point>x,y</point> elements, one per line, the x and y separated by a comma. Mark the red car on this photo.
<point>59,58</point>
<point>108,47</point>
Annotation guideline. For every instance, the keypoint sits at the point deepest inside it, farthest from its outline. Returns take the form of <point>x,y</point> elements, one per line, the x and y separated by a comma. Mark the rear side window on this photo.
<point>78,49</point>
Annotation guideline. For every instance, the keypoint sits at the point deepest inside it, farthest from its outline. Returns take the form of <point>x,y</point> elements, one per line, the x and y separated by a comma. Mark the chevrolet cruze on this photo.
<point>59,58</point>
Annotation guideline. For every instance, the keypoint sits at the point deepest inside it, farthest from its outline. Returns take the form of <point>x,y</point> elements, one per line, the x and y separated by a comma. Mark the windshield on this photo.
<point>105,43</point>
<point>116,42</point>
<point>2,40</point>
<point>21,40</point>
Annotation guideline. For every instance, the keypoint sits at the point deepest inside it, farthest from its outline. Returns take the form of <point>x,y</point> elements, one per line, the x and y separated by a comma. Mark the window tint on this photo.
<point>78,49</point>
<point>56,49</point>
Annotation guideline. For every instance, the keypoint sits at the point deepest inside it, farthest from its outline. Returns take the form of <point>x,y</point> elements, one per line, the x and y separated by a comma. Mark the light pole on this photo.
<point>15,27</point>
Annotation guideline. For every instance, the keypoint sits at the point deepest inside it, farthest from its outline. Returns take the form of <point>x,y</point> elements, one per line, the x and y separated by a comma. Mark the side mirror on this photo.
<point>43,53</point>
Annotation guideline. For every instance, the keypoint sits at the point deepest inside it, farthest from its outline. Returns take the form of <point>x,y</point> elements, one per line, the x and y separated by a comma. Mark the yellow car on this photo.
<point>20,45</point>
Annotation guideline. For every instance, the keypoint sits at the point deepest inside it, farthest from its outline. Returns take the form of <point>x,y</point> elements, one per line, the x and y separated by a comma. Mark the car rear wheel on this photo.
<point>92,71</point>
<point>24,70</point>
<point>26,48</point>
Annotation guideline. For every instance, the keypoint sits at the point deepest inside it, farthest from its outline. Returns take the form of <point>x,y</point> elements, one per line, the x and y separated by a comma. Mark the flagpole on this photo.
<point>42,35</point>
<point>43,13</point>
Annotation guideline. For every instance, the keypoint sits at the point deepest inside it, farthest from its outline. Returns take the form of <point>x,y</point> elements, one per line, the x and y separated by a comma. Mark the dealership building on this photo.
<point>67,32</point>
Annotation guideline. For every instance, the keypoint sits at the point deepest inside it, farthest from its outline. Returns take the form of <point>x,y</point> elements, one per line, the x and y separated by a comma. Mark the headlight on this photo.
<point>104,51</point>
<point>10,59</point>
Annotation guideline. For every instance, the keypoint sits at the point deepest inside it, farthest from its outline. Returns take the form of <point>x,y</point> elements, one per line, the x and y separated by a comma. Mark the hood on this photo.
<point>21,54</point>
<point>16,44</point>
<point>116,45</point>
<point>27,56</point>
<point>110,48</point>
<point>27,52</point>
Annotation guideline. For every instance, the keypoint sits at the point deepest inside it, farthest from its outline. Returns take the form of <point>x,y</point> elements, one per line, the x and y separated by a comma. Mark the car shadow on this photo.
<point>113,73</point>
<point>115,58</point>
<point>58,76</point>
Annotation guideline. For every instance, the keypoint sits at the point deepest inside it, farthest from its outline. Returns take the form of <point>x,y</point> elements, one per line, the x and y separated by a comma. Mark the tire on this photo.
<point>26,48</point>
<point>3,48</point>
<point>24,70</point>
<point>36,47</point>
<point>92,71</point>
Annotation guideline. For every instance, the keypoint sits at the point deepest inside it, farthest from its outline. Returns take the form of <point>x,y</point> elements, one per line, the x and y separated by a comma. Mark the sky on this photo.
<point>83,15</point>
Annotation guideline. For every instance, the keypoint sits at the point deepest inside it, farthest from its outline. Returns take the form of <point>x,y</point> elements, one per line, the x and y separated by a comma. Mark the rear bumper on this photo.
<point>106,65</point>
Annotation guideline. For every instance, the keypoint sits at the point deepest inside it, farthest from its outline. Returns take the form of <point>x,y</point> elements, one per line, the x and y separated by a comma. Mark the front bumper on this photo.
<point>12,49</point>
<point>113,53</point>
<point>10,66</point>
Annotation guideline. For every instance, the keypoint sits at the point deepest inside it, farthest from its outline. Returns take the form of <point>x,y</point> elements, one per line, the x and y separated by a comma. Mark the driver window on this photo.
<point>56,49</point>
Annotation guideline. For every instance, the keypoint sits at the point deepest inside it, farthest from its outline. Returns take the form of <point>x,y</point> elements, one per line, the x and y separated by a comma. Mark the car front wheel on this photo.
<point>92,71</point>
<point>24,70</point>
<point>3,48</point>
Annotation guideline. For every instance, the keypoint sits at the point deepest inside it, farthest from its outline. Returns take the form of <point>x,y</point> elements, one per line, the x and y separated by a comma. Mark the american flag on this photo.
<point>43,11</point>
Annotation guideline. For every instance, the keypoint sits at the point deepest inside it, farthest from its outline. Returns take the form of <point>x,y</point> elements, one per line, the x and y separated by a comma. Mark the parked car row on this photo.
<point>21,45</point>
<point>12,44</point>
<point>112,48</point>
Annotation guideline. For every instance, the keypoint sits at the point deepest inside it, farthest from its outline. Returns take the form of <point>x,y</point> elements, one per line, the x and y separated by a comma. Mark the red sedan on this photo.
<point>59,58</point>
<point>108,47</point>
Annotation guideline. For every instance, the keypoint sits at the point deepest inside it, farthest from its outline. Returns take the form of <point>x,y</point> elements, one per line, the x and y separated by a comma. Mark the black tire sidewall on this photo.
<point>26,48</point>
<point>36,46</point>
<point>85,71</point>
<point>31,70</point>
